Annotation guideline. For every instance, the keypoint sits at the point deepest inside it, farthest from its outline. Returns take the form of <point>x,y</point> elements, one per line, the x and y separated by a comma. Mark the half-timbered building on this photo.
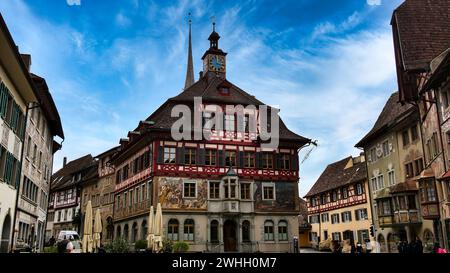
<point>338,203</point>
<point>227,193</point>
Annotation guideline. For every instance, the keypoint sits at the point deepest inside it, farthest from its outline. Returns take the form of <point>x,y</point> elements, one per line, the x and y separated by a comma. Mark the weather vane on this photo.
<point>213,20</point>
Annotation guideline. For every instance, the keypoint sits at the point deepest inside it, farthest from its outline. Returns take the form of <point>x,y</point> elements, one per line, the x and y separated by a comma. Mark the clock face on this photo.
<point>217,63</point>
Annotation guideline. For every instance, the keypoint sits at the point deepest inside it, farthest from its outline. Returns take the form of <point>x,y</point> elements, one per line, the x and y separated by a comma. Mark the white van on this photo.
<point>69,235</point>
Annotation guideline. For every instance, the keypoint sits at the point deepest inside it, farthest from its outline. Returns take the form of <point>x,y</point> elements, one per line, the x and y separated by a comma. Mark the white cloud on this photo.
<point>374,2</point>
<point>122,20</point>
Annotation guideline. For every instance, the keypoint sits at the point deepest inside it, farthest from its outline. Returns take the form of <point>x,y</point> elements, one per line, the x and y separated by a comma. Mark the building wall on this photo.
<point>12,143</point>
<point>36,172</point>
<point>101,194</point>
<point>354,225</point>
<point>381,166</point>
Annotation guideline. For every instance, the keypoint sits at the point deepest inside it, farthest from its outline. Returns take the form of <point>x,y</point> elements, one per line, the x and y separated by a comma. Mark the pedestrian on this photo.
<point>62,245</point>
<point>438,249</point>
<point>368,246</point>
<point>418,246</point>
<point>359,248</point>
<point>52,241</point>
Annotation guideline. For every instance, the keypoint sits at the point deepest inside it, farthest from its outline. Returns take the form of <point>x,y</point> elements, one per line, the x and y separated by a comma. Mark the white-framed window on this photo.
<point>188,230</point>
<point>380,182</point>
<point>359,189</point>
<point>268,230</point>
<point>373,181</point>
<point>169,155</point>
<point>373,154</point>
<point>335,218</point>
<point>386,151</point>
<point>268,191</point>
<point>314,219</point>
<point>346,216</point>
<point>229,123</point>
<point>361,214</point>
<point>336,236</point>
<point>391,175</point>
<point>246,191</point>
<point>325,217</point>
<point>189,189</point>
<point>172,229</point>
<point>282,231</point>
<point>214,189</point>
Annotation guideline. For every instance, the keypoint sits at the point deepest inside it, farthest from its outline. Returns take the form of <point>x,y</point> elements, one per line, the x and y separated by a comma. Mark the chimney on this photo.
<point>26,58</point>
<point>64,161</point>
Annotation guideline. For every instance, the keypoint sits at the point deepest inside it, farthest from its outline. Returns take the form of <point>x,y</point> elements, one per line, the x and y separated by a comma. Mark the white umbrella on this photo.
<point>150,234</point>
<point>157,244</point>
<point>97,229</point>
<point>87,233</point>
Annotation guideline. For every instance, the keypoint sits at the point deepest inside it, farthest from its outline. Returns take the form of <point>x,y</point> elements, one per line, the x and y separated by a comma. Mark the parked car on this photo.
<point>68,234</point>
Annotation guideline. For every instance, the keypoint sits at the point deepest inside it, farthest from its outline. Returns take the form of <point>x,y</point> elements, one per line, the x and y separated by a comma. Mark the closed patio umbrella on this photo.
<point>157,244</point>
<point>150,230</point>
<point>97,229</point>
<point>87,232</point>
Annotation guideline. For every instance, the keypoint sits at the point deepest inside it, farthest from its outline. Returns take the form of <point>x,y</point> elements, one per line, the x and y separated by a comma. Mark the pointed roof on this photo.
<point>190,64</point>
<point>391,113</point>
<point>337,175</point>
<point>63,177</point>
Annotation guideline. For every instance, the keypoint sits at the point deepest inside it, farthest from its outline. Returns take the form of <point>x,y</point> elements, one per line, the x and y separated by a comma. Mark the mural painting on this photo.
<point>285,194</point>
<point>170,194</point>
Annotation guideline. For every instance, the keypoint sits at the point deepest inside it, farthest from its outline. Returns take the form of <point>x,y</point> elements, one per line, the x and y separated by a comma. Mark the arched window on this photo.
<point>119,232</point>
<point>134,232</point>
<point>144,230</point>
<point>246,231</point>
<point>126,232</point>
<point>382,243</point>
<point>428,240</point>
<point>214,230</point>
<point>172,230</point>
<point>282,231</point>
<point>268,231</point>
<point>188,230</point>
<point>109,228</point>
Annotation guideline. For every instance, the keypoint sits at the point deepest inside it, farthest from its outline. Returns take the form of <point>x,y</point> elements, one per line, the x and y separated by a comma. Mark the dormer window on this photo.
<point>225,91</point>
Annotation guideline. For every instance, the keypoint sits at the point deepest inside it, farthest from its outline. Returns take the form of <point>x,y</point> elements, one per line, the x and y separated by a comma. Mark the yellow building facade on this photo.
<point>338,204</point>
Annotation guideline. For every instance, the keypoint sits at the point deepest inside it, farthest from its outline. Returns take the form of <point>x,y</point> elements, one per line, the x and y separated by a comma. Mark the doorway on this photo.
<point>229,236</point>
<point>4,243</point>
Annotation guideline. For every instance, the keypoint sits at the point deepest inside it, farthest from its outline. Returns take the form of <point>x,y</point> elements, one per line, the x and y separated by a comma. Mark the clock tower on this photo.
<point>214,59</point>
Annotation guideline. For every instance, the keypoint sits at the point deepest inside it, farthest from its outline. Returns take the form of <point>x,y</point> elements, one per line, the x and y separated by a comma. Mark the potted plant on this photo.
<point>180,247</point>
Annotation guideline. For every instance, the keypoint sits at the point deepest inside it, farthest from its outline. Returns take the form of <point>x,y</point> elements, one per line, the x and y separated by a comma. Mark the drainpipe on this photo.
<point>37,105</point>
<point>370,197</point>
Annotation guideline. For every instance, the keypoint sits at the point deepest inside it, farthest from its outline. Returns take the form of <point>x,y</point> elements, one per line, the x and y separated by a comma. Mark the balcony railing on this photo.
<point>406,217</point>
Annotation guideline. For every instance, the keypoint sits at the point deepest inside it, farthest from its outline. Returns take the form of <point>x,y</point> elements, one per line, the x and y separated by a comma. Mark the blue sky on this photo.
<point>328,64</point>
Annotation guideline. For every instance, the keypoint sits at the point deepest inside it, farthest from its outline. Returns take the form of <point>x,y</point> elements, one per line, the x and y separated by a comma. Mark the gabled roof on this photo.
<point>63,177</point>
<point>424,31</point>
<point>48,106</point>
<point>209,93</point>
<point>391,112</point>
<point>336,176</point>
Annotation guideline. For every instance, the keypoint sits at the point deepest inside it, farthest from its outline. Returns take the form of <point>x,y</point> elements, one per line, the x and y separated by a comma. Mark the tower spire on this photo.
<point>190,66</point>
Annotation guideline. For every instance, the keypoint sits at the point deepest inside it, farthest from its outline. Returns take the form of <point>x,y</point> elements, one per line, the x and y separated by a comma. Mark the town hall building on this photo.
<point>225,194</point>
